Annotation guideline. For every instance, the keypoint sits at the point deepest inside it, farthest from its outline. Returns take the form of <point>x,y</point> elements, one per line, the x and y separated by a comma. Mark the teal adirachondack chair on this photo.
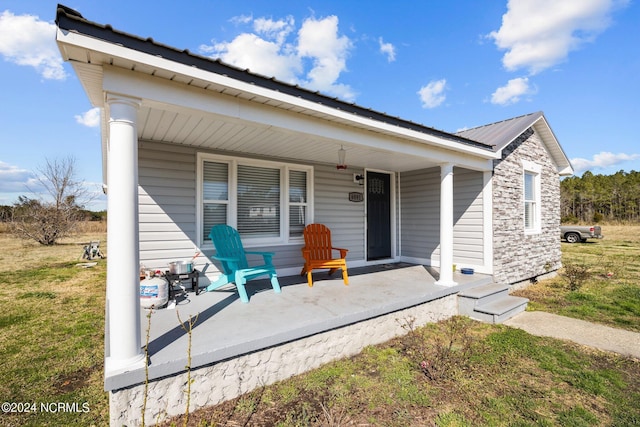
<point>233,257</point>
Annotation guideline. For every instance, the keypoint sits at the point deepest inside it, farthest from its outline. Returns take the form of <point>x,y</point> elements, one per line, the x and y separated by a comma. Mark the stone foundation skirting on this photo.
<point>231,378</point>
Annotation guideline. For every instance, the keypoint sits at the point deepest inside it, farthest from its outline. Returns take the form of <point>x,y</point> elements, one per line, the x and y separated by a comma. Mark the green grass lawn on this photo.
<point>609,292</point>
<point>51,336</point>
<point>454,373</point>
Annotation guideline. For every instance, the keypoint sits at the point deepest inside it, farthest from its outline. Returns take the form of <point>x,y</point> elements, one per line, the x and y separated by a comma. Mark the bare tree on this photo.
<point>47,220</point>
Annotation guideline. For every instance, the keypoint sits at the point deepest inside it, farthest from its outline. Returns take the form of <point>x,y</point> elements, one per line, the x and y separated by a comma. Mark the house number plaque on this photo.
<point>354,196</point>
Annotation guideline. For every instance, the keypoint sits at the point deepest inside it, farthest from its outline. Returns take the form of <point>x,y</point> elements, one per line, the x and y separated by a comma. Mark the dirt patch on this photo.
<point>74,380</point>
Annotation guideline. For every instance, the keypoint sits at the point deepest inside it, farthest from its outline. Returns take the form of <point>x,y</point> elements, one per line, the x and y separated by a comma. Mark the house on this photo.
<point>189,142</point>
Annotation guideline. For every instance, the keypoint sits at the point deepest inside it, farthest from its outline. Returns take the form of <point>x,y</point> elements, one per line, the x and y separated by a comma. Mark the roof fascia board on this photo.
<point>125,53</point>
<point>553,145</point>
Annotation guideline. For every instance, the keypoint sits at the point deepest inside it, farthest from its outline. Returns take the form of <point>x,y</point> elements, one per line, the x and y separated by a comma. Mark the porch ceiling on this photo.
<point>213,132</point>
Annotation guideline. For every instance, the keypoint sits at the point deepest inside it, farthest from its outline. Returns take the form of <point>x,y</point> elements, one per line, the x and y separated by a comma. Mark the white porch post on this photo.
<point>123,266</point>
<point>446,225</point>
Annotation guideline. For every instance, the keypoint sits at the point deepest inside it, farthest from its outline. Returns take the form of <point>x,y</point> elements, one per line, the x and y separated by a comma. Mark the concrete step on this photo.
<point>500,310</point>
<point>468,299</point>
<point>490,303</point>
<point>485,293</point>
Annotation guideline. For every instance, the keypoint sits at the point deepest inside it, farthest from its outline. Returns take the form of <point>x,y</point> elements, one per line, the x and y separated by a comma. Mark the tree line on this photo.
<point>596,198</point>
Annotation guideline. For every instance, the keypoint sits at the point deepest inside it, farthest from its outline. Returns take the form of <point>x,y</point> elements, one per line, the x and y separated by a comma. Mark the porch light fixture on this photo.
<point>342,153</point>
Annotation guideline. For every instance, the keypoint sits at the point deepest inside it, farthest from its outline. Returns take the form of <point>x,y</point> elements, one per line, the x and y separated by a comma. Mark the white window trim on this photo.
<point>232,213</point>
<point>535,169</point>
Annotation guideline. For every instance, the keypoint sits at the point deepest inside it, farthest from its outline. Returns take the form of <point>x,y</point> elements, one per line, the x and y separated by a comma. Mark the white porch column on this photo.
<point>446,225</point>
<point>123,265</point>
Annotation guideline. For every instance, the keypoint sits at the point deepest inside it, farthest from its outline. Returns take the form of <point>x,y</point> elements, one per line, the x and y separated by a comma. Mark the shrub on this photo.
<point>449,349</point>
<point>576,274</point>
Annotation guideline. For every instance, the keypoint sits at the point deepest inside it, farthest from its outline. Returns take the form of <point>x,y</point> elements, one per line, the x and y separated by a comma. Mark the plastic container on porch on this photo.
<point>154,292</point>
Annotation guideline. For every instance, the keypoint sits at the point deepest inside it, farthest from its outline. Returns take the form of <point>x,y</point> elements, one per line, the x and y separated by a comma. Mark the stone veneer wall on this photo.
<point>228,379</point>
<point>519,257</point>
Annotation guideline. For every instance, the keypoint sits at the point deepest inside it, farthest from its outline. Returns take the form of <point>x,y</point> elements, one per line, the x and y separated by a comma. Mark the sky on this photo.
<point>448,65</point>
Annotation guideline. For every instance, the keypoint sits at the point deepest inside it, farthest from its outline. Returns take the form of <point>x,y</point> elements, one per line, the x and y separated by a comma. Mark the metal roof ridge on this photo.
<point>66,16</point>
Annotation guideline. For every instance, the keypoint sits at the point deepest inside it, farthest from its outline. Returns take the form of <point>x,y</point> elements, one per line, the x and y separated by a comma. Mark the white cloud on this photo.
<point>26,40</point>
<point>432,94</point>
<point>602,160</point>
<point>16,180</point>
<point>258,55</point>
<point>387,49</point>
<point>512,91</point>
<point>276,30</point>
<point>316,59</point>
<point>89,118</point>
<point>319,41</point>
<point>537,34</point>
<point>241,19</point>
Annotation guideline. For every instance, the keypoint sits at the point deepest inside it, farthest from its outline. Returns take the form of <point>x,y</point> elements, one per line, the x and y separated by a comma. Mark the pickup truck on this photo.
<point>578,233</point>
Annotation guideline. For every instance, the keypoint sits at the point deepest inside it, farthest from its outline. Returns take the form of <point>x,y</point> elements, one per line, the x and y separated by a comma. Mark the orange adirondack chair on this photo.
<point>318,252</point>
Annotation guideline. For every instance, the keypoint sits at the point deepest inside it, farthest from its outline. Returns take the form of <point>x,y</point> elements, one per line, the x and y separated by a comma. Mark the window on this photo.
<point>258,202</point>
<point>531,193</point>
<point>267,202</point>
<point>529,200</point>
<point>215,193</point>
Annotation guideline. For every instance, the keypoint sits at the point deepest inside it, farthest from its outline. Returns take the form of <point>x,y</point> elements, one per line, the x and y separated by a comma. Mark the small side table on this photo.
<point>193,276</point>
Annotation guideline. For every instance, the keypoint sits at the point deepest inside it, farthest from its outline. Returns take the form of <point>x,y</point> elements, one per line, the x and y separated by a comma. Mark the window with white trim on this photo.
<point>531,196</point>
<point>267,202</point>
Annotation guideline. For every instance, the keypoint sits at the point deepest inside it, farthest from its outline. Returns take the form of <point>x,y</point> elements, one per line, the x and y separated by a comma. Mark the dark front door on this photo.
<point>378,215</point>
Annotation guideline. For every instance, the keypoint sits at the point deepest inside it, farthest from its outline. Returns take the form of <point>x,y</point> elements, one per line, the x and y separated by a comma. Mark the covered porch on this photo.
<point>156,214</point>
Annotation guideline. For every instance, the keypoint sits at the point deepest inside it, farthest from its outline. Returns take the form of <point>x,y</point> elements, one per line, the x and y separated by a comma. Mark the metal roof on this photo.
<point>502,133</point>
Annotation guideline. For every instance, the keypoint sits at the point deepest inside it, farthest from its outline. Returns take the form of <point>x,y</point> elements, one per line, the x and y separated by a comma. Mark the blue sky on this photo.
<point>449,65</point>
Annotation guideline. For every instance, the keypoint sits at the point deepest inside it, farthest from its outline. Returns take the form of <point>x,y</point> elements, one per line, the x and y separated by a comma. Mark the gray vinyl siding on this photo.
<point>333,208</point>
<point>167,203</point>
<point>167,209</point>
<point>420,213</point>
<point>468,235</point>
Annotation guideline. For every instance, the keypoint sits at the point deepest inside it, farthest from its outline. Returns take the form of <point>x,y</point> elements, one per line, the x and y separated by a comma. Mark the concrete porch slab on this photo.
<point>226,327</point>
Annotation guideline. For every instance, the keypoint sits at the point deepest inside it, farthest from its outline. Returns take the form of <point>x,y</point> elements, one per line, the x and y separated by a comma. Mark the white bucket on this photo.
<point>154,292</point>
